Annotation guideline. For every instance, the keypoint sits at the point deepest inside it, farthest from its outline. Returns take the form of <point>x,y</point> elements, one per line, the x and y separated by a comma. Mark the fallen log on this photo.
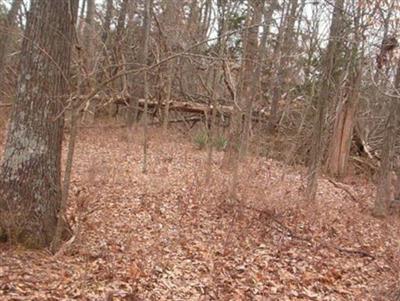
<point>196,108</point>
<point>223,111</point>
<point>178,120</point>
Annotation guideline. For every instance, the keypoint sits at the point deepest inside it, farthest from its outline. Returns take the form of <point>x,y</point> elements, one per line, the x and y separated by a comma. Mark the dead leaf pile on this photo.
<point>174,234</point>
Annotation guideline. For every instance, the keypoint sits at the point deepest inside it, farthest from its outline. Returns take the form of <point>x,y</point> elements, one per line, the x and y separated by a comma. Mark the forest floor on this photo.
<point>172,234</point>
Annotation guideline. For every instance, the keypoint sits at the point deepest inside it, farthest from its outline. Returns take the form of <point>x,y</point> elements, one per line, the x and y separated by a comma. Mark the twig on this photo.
<point>291,233</point>
<point>347,190</point>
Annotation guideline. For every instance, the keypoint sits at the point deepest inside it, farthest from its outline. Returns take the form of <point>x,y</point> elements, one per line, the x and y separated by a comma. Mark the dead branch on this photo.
<point>345,189</point>
<point>286,230</point>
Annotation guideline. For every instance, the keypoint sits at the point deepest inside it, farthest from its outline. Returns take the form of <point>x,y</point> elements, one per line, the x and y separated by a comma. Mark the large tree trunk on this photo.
<point>382,200</point>
<point>328,85</point>
<point>30,188</point>
<point>339,151</point>
<point>340,144</point>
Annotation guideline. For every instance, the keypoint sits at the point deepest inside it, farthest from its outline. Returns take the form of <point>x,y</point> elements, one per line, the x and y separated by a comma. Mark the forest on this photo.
<point>200,150</point>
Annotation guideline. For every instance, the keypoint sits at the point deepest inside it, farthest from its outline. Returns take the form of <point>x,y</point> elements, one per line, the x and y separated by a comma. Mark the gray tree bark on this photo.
<point>30,172</point>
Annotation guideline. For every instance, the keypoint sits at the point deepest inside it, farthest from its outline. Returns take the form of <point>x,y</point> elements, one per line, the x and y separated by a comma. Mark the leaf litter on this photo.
<point>172,234</point>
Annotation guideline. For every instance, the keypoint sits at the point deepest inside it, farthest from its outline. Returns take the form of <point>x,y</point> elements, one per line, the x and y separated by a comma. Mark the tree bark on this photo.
<point>88,29</point>
<point>146,31</point>
<point>5,35</point>
<point>340,144</point>
<point>286,50</point>
<point>325,92</point>
<point>81,17</point>
<point>105,34</point>
<point>251,72</point>
<point>30,187</point>
<point>382,199</point>
<point>339,151</point>
<point>89,51</point>
<point>118,44</point>
<point>107,22</point>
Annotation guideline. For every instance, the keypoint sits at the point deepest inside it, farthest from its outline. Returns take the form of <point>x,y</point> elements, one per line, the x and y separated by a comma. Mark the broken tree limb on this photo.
<point>345,189</point>
<point>196,108</point>
<point>280,226</point>
<point>179,120</point>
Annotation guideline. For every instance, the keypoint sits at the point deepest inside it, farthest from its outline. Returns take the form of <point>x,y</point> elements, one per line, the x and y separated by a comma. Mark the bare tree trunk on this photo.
<point>382,200</point>
<point>88,29</point>
<point>339,148</point>
<point>146,27</point>
<point>275,59</point>
<point>340,144</point>
<point>239,135</point>
<point>167,32</point>
<point>144,40</point>
<point>30,184</point>
<point>267,16</point>
<point>329,67</point>
<point>118,45</point>
<point>5,28</point>
<point>252,71</point>
<point>81,16</point>
<point>107,22</point>
<point>62,222</point>
<point>212,129</point>
<point>206,17</point>
<point>104,38</point>
<point>168,91</point>
<point>88,34</point>
<point>284,58</point>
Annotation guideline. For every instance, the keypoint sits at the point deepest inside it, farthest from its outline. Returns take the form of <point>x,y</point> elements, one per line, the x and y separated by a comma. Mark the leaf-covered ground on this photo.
<point>175,234</point>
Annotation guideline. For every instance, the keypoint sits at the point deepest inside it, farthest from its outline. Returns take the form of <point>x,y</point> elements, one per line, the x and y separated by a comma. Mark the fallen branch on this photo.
<point>355,252</point>
<point>185,107</point>
<point>368,162</point>
<point>178,120</point>
<point>286,230</point>
<point>345,189</point>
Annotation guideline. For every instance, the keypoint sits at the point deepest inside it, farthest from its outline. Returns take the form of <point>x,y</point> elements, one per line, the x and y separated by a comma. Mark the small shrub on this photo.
<point>220,143</point>
<point>201,140</point>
